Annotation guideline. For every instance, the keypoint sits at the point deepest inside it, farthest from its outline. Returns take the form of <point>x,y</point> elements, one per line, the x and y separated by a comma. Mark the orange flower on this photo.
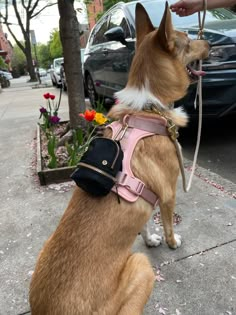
<point>89,115</point>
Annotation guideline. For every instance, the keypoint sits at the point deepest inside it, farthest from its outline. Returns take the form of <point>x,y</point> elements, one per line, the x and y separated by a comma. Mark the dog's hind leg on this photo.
<point>136,285</point>
<point>151,240</point>
<point>167,211</point>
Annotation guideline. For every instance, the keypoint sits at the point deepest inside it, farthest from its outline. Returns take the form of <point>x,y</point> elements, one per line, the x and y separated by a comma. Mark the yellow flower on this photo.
<point>100,119</point>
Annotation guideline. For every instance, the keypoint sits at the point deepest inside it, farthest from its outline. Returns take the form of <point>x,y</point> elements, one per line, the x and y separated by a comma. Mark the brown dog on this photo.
<point>86,267</point>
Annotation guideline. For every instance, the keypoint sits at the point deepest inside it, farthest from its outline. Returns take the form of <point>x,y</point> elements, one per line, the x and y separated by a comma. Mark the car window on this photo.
<point>98,33</point>
<point>156,15</point>
<point>118,19</point>
<point>58,62</point>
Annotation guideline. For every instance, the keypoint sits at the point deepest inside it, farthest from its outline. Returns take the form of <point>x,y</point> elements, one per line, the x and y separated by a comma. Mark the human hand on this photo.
<point>186,7</point>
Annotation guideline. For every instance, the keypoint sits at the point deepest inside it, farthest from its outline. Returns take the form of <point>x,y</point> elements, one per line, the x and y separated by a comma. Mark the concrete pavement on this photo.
<point>199,278</point>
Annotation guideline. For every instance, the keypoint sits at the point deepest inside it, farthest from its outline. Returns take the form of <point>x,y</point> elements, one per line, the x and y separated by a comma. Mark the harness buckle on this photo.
<point>133,184</point>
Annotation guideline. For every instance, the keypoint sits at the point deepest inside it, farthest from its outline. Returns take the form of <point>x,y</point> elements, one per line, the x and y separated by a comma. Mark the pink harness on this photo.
<point>129,132</point>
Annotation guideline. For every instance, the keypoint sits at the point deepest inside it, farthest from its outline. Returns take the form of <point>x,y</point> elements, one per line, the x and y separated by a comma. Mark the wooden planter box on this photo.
<point>56,175</point>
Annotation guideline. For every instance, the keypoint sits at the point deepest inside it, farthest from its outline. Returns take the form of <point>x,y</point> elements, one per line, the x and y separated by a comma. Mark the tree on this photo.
<point>107,4</point>
<point>44,56</point>
<point>3,65</point>
<point>55,46</point>
<point>18,61</point>
<point>31,9</point>
<point>70,39</point>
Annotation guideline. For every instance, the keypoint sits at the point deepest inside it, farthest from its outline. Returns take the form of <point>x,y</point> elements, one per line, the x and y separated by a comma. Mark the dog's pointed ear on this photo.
<point>143,23</point>
<point>165,34</point>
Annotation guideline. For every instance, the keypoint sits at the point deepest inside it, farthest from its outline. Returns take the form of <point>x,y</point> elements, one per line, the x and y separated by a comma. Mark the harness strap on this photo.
<point>129,132</point>
<point>150,125</point>
<point>137,187</point>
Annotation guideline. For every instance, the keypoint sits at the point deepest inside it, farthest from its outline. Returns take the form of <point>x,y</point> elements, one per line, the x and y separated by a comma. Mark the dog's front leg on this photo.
<point>151,240</point>
<point>167,209</point>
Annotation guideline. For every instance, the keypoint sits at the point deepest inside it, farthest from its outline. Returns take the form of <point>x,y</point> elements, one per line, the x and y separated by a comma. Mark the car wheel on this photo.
<point>58,85</point>
<point>93,97</point>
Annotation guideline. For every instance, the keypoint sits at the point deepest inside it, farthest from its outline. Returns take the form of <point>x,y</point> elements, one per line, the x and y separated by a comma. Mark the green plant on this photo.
<point>75,148</point>
<point>50,120</point>
<point>52,142</point>
<point>82,138</point>
<point>99,106</point>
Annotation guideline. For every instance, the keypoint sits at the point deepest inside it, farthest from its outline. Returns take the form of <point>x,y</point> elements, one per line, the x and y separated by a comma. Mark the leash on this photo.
<point>186,188</point>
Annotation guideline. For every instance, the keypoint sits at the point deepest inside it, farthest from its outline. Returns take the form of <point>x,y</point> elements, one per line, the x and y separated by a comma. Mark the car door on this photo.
<point>118,55</point>
<point>96,59</point>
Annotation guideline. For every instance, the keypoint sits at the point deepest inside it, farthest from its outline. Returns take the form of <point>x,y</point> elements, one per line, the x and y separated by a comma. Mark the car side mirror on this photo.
<point>116,34</point>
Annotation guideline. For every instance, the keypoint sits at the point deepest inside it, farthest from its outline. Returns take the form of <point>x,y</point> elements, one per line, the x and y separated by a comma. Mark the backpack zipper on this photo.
<point>94,168</point>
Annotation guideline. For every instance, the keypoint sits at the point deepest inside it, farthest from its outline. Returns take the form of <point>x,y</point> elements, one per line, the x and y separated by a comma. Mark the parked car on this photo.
<point>55,71</point>
<point>4,82</point>
<point>62,70</point>
<point>42,72</point>
<point>111,47</point>
<point>6,74</point>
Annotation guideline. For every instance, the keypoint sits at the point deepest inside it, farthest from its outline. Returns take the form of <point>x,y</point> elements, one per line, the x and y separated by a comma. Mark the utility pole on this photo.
<point>34,43</point>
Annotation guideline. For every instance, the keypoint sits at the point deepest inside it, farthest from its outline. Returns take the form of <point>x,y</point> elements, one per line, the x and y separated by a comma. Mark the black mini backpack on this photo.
<point>98,167</point>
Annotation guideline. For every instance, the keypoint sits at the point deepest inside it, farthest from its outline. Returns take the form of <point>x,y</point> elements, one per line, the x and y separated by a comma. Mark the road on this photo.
<point>218,143</point>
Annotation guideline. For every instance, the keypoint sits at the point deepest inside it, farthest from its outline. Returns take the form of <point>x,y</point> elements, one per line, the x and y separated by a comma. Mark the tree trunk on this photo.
<point>29,61</point>
<point>70,39</point>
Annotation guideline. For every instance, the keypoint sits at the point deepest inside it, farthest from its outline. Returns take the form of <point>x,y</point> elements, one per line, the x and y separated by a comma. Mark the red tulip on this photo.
<point>46,95</point>
<point>88,115</point>
<point>52,96</point>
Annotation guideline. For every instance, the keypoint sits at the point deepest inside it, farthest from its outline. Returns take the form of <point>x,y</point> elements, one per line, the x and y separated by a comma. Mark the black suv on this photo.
<point>111,47</point>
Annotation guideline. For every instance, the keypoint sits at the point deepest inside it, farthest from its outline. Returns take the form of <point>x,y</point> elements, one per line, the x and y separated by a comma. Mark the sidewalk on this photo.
<point>199,278</point>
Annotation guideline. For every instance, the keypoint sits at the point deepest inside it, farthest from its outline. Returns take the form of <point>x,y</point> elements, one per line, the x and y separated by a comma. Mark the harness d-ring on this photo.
<point>121,132</point>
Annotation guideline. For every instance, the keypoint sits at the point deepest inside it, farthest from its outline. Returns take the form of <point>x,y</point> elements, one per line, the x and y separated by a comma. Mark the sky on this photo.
<point>44,24</point>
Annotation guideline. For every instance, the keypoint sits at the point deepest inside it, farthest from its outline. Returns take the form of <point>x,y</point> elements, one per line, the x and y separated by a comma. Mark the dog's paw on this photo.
<point>153,240</point>
<point>176,244</point>
<point>178,240</point>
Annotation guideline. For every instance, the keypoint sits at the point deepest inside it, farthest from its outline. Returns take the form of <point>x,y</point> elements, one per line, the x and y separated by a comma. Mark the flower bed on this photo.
<point>55,160</point>
<point>47,175</point>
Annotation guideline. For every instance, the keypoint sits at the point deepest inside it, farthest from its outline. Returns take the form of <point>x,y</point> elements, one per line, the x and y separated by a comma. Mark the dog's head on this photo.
<point>161,65</point>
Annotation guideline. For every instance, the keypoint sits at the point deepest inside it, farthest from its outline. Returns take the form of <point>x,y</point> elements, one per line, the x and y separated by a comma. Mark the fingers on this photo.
<point>178,5</point>
<point>179,11</point>
<point>179,8</point>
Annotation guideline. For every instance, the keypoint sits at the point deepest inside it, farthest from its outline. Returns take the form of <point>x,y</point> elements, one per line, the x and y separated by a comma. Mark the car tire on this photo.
<point>92,94</point>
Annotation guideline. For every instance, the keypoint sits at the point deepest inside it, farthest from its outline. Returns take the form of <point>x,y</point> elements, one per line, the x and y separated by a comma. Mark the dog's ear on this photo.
<point>165,33</point>
<point>143,24</point>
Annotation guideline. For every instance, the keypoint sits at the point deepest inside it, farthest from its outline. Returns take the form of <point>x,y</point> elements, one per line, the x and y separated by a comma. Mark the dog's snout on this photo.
<point>205,48</point>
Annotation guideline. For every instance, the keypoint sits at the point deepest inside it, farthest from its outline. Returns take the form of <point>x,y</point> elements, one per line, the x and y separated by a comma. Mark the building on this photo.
<point>84,34</point>
<point>6,49</point>
<point>93,8</point>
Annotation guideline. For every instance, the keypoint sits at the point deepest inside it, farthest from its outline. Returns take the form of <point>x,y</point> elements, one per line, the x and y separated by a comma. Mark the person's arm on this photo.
<point>188,7</point>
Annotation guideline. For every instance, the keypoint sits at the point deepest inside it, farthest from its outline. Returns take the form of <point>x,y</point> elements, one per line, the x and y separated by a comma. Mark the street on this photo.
<point>218,145</point>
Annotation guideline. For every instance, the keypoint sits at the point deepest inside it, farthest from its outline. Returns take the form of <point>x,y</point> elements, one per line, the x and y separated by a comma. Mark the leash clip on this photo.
<point>172,130</point>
